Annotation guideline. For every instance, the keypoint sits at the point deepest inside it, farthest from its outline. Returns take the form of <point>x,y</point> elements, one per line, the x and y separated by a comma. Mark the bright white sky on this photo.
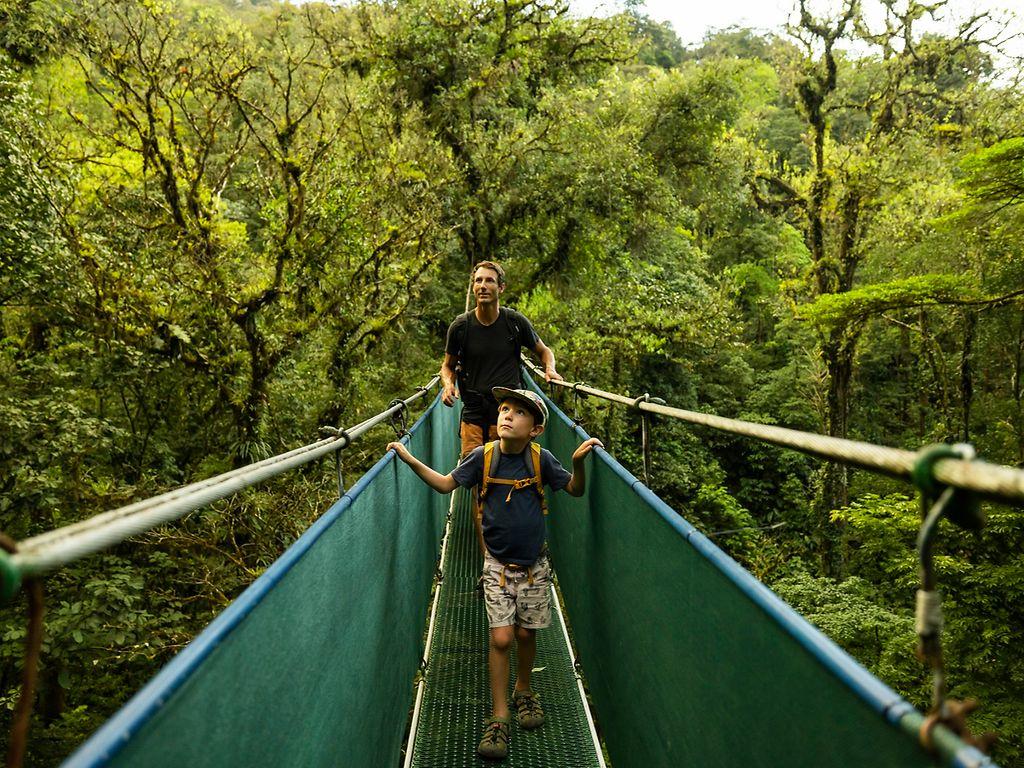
<point>692,19</point>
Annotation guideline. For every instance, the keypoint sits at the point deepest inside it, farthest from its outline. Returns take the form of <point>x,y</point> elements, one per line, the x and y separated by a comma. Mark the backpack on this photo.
<point>492,455</point>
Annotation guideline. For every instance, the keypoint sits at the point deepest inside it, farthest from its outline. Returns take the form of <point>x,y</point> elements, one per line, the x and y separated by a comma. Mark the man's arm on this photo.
<point>449,391</point>
<point>547,360</point>
<point>578,482</point>
<point>437,481</point>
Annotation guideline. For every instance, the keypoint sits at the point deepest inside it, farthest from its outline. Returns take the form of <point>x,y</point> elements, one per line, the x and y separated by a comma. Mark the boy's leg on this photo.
<point>501,613</point>
<point>529,712</point>
<point>526,653</point>
<point>533,612</point>
<point>498,666</point>
<point>501,616</point>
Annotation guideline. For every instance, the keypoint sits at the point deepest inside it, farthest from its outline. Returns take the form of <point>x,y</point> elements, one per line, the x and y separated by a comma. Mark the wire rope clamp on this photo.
<point>577,395</point>
<point>963,508</point>
<point>336,432</point>
<point>647,398</point>
<point>399,417</point>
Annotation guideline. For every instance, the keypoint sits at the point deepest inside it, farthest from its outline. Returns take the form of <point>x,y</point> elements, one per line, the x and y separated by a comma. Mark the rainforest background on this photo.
<point>225,224</point>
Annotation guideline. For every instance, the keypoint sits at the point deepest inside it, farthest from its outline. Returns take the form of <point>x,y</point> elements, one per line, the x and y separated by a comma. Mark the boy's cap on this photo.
<point>530,399</point>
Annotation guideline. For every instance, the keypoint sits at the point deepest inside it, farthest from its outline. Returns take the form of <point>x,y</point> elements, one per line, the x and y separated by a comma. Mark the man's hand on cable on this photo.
<point>550,374</point>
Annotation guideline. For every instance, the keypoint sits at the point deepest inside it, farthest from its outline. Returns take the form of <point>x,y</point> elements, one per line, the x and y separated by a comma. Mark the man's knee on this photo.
<point>501,638</point>
<point>471,436</point>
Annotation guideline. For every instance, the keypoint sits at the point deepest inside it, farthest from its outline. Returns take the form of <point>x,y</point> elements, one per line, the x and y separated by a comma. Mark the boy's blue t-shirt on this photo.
<point>513,530</point>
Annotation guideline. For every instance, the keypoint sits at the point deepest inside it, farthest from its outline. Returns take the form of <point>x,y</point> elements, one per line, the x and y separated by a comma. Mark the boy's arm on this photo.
<point>437,481</point>
<point>578,482</point>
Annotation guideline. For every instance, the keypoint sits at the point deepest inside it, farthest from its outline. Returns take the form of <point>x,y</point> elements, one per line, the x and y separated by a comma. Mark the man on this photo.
<point>482,352</point>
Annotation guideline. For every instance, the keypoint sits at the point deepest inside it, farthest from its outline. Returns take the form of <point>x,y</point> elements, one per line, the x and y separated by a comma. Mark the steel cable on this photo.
<point>53,549</point>
<point>990,480</point>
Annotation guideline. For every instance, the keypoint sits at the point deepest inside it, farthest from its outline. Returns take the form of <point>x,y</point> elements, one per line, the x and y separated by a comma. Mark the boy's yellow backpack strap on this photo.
<point>536,480</point>
<point>492,454</point>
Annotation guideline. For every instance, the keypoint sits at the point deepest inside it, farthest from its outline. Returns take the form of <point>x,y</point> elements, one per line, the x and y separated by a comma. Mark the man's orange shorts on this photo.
<point>472,436</point>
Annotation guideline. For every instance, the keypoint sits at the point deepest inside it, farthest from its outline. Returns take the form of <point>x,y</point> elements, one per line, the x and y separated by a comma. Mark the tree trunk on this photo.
<point>967,374</point>
<point>1018,369</point>
<point>834,490</point>
<point>52,697</point>
<point>250,414</point>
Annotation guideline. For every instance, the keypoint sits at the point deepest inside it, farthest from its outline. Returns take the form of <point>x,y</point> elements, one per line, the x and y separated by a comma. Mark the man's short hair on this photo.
<point>490,265</point>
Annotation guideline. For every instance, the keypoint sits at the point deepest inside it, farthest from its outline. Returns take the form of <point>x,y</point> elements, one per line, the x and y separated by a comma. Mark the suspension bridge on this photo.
<point>364,644</point>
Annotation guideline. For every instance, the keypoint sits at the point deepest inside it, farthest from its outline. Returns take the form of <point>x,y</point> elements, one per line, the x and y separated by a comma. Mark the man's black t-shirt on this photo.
<point>491,359</point>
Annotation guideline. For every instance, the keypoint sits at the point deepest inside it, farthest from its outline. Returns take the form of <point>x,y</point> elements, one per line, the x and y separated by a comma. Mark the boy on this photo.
<point>517,574</point>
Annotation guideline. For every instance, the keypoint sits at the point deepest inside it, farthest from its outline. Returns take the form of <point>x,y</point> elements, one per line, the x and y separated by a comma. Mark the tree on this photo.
<point>859,121</point>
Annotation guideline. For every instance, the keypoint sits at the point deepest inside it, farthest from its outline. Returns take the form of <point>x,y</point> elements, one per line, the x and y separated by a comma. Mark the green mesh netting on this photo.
<point>683,666</point>
<point>320,670</point>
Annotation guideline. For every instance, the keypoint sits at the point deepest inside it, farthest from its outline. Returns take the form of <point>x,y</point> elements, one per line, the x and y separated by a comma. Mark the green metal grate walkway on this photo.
<point>456,698</point>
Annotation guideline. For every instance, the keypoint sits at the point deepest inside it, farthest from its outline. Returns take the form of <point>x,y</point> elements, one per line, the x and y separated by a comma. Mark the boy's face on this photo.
<point>516,421</point>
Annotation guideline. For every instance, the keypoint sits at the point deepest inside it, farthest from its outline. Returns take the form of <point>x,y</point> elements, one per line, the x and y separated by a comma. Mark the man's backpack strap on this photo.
<point>460,361</point>
<point>512,323</point>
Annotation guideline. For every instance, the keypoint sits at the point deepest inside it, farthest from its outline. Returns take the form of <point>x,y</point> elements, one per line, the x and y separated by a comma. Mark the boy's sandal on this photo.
<point>528,710</point>
<point>494,743</point>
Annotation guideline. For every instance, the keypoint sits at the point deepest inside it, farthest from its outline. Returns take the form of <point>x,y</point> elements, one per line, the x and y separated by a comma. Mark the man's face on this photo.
<point>516,421</point>
<point>485,286</point>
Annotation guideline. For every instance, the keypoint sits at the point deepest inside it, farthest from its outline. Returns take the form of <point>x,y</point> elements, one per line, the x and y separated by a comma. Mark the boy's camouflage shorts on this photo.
<point>518,595</point>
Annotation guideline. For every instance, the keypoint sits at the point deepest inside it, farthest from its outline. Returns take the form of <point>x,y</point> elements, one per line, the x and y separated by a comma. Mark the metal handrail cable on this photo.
<point>990,480</point>
<point>48,551</point>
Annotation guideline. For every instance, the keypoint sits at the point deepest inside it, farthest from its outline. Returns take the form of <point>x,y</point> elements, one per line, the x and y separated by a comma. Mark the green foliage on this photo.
<point>852,613</point>
<point>994,177</point>
<point>660,45</point>
<point>31,32</point>
<point>223,225</point>
<point>981,592</point>
<point>30,249</point>
<point>836,311</point>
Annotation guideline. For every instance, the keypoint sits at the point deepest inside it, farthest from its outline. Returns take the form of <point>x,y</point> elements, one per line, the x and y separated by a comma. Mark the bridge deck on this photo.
<point>456,699</point>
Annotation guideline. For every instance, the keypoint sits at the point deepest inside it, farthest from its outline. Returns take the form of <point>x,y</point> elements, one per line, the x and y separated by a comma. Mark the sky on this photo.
<point>692,19</point>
